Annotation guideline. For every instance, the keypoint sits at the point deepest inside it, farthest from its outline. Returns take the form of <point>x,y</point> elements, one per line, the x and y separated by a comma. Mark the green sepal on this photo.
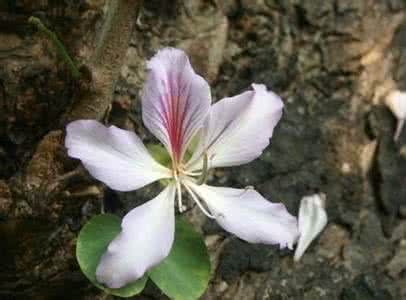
<point>160,154</point>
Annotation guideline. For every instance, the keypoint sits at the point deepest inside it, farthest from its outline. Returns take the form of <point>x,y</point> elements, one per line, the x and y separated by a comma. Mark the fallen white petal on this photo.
<point>238,128</point>
<point>146,238</point>
<point>396,101</point>
<point>112,155</point>
<point>312,220</point>
<point>250,216</point>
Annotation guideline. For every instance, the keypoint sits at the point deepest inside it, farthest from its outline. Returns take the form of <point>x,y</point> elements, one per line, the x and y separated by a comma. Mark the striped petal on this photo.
<point>175,100</point>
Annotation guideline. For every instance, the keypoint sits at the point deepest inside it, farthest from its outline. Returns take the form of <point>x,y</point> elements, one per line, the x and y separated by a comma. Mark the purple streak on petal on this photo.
<point>175,100</point>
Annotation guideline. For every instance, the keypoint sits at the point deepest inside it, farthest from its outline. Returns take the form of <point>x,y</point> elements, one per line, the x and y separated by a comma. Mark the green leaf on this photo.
<point>92,242</point>
<point>160,154</point>
<point>185,273</point>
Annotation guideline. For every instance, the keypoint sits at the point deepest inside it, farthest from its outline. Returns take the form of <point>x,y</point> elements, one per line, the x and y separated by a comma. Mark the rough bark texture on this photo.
<point>332,61</point>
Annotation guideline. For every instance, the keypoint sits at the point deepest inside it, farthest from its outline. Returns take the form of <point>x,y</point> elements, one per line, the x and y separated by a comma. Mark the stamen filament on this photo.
<point>195,198</point>
<point>196,173</point>
<point>179,194</point>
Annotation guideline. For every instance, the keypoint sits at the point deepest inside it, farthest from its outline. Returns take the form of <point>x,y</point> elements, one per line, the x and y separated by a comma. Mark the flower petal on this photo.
<point>312,220</point>
<point>396,101</point>
<point>112,155</point>
<point>175,100</point>
<point>145,240</point>
<point>238,128</point>
<point>250,216</point>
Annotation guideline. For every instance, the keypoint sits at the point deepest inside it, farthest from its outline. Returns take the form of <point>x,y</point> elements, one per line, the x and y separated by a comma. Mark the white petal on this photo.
<point>175,100</point>
<point>239,128</point>
<point>396,101</point>
<point>312,220</point>
<point>250,216</point>
<point>146,238</point>
<point>112,155</point>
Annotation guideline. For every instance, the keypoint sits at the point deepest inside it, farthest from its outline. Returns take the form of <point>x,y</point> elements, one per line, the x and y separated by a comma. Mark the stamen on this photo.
<point>203,177</point>
<point>183,171</point>
<point>195,198</point>
<point>181,207</point>
<point>196,173</point>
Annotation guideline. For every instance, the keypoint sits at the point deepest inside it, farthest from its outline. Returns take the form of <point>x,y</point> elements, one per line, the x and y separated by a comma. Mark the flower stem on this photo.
<point>57,43</point>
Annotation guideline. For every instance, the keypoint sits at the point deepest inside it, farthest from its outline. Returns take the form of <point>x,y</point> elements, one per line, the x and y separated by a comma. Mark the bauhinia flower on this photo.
<point>176,108</point>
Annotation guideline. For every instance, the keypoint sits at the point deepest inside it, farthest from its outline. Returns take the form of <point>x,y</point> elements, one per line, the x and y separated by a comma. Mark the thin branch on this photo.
<point>58,44</point>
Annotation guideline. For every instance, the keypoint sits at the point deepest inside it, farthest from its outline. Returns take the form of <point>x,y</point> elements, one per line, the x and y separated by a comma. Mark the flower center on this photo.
<point>182,177</point>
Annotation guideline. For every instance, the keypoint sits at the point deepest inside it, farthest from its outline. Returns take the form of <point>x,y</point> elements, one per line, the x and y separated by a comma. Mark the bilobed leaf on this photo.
<point>92,242</point>
<point>185,273</point>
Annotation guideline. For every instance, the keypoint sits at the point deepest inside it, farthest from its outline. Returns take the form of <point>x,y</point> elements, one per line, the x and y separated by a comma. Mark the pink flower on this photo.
<point>177,107</point>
